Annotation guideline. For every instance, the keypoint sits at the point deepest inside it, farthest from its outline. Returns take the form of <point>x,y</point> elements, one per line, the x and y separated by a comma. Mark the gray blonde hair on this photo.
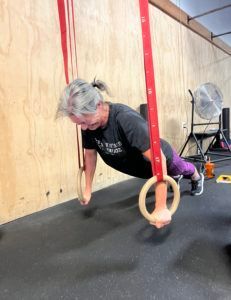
<point>81,97</point>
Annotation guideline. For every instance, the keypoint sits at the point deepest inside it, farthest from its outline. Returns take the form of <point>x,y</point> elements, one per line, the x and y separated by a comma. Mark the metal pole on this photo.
<point>217,35</point>
<point>209,12</point>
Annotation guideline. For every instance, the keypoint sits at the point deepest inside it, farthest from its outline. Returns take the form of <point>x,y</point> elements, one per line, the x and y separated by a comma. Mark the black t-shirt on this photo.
<point>122,142</point>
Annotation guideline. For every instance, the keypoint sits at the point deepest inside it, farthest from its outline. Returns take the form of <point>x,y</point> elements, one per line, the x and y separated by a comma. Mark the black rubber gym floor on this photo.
<point>108,251</point>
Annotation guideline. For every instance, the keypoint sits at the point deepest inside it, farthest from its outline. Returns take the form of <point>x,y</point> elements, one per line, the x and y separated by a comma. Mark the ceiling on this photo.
<point>217,22</point>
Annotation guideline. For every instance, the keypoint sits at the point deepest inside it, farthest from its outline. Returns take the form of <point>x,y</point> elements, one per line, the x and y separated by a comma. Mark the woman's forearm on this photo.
<point>90,166</point>
<point>161,187</point>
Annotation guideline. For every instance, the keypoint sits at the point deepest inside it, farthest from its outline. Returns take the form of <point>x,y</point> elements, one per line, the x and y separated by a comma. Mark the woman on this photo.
<point>120,135</point>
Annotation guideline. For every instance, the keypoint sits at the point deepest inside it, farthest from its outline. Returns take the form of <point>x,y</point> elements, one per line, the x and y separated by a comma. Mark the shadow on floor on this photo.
<point>206,260</point>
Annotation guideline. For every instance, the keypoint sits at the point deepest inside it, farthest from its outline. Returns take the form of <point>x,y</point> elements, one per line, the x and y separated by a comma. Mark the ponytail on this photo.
<point>100,85</point>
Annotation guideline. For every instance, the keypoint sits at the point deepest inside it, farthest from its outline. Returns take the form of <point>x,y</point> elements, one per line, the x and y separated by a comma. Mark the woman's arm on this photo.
<point>90,158</point>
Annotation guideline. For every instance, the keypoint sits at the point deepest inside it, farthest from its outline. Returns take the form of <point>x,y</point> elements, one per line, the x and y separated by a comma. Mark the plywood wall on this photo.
<point>38,161</point>
<point>38,157</point>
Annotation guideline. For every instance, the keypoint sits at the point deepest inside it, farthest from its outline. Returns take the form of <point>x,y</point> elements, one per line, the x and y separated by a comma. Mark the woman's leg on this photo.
<point>178,166</point>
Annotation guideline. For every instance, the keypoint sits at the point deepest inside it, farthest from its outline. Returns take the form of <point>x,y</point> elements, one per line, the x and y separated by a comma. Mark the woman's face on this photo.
<point>89,121</point>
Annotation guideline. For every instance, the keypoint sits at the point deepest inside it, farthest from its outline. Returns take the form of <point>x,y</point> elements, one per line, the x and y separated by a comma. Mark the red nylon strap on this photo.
<point>151,92</point>
<point>76,67</point>
<point>73,25</point>
<point>63,31</point>
<point>70,42</point>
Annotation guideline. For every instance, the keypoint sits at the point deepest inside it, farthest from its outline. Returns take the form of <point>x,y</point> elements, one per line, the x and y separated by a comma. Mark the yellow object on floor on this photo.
<point>224,179</point>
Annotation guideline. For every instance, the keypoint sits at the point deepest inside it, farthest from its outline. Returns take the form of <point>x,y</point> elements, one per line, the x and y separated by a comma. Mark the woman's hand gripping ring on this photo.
<point>145,189</point>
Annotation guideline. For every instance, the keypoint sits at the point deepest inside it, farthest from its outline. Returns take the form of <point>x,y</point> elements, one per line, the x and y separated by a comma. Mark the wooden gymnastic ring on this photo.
<point>79,184</point>
<point>146,187</point>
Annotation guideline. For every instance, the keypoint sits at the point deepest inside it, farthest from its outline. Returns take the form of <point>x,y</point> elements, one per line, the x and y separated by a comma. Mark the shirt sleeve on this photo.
<point>87,141</point>
<point>135,129</point>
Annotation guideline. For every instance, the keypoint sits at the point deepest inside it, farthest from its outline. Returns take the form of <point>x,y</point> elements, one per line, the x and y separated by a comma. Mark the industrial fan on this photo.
<point>208,101</point>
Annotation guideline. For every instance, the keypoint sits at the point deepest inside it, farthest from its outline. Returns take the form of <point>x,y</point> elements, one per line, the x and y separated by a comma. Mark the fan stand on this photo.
<point>199,137</point>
